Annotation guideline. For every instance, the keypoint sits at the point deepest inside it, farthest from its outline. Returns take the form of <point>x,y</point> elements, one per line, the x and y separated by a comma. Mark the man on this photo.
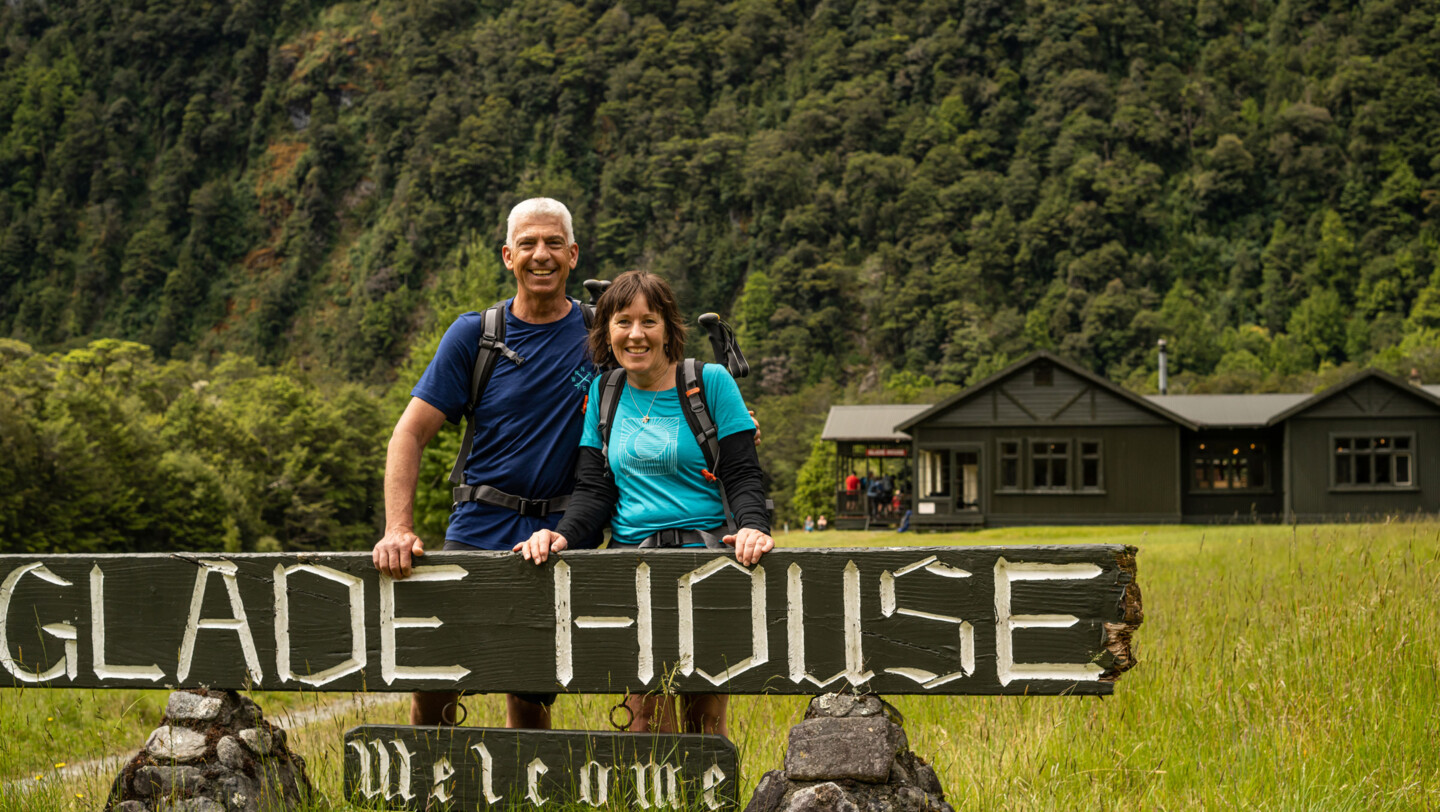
<point>527,423</point>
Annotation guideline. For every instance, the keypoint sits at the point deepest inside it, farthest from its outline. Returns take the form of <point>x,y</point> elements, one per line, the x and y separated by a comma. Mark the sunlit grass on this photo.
<point>1280,668</point>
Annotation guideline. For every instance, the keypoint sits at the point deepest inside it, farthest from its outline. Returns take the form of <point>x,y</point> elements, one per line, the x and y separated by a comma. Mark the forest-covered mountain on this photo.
<point>883,195</point>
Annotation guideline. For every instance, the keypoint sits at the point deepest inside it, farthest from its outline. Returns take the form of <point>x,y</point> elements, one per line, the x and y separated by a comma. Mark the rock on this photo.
<point>257,740</point>
<point>860,748</point>
<point>190,805</point>
<point>926,779</point>
<point>249,769</point>
<point>231,753</point>
<point>767,794</point>
<point>845,706</point>
<point>186,706</point>
<point>168,782</point>
<point>238,793</point>
<point>827,797</point>
<point>173,743</point>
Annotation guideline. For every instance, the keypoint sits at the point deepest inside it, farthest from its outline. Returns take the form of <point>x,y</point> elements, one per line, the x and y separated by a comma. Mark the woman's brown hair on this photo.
<point>618,296</point>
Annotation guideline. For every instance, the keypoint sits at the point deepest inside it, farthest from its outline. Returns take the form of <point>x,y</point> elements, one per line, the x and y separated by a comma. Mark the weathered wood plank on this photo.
<point>470,768</point>
<point>945,620</point>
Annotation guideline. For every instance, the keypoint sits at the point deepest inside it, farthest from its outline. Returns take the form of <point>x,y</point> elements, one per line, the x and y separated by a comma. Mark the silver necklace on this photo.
<point>646,417</point>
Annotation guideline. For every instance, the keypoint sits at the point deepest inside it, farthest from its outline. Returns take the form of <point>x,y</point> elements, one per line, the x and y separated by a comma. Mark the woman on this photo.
<point>653,485</point>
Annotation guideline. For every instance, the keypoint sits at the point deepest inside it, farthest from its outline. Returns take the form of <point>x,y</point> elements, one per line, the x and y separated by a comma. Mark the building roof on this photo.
<point>1228,410</point>
<point>1073,368</point>
<point>874,423</point>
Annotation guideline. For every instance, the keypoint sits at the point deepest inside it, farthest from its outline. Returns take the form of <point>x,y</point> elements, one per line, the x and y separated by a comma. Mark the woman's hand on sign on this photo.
<point>540,545</point>
<point>393,553</point>
<point>750,544</point>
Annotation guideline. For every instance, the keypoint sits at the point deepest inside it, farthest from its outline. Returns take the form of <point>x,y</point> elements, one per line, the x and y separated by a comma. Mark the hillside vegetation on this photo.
<point>883,196</point>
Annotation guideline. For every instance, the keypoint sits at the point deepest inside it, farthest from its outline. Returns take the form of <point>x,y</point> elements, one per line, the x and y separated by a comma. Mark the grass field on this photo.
<point>1280,668</point>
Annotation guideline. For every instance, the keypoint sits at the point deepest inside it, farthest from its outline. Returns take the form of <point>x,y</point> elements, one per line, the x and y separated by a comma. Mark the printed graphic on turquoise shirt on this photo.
<point>649,449</point>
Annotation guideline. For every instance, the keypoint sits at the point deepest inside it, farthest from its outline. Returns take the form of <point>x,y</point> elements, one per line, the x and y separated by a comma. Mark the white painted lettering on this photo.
<point>367,788</point>
<point>103,669</point>
<point>487,772</point>
<point>238,623</point>
<point>759,634</point>
<point>383,756</point>
<point>597,776</point>
<point>889,608</point>
<point>1005,622</point>
<point>389,670</point>
<point>710,783</point>
<point>402,776</point>
<point>356,586</point>
<point>664,781</point>
<point>855,670</point>
<point>533,771</point>
<point>566,623</point>
<point>69,663</point>
<point>442,772</point>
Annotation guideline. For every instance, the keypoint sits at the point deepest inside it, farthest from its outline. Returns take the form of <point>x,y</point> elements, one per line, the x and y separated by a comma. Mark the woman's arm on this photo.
<point>594,497</point>
<point>739,469</point>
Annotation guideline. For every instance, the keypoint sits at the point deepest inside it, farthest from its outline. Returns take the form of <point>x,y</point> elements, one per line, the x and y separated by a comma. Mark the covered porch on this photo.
<point>868,446</point>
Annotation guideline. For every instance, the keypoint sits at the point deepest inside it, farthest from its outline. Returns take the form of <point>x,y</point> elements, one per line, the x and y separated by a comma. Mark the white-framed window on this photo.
<point>1375,461</point>
<point>934,473</point>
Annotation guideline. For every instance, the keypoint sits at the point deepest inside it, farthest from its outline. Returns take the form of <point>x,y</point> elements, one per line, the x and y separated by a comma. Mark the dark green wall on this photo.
<point>1312,498</point>
<point>1140,469</point>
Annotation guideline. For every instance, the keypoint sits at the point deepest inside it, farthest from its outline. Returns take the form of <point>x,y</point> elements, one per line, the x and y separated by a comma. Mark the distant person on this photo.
<point>540,402</point>
<point>820,523</point>
<point>852,483</point>
<point>650,483</point>
<point>874,495</point>
<point>809,524</point>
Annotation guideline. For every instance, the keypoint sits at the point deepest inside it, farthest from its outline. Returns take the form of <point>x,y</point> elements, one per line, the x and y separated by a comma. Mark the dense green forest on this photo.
<point>889,199</point>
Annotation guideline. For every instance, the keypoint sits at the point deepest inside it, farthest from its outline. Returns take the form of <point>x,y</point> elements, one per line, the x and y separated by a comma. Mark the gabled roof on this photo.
<point>1421,392</point>
<point>1228,411</point>
<point>870,423</point>
<point>1074,369</point>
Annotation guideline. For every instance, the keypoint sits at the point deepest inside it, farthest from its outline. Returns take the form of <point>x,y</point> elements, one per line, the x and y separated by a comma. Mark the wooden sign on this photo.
<point>469,768</point>
<point>917,620</point>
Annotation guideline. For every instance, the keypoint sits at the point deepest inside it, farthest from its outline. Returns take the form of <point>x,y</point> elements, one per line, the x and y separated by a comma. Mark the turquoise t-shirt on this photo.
<point>657,465</point>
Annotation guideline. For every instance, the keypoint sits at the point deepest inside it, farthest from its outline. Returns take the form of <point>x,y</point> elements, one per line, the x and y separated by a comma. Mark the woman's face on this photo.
<point>637,337</point>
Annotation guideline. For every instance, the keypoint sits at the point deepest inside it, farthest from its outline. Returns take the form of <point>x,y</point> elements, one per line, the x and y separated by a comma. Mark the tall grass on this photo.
<point>1280,668</point>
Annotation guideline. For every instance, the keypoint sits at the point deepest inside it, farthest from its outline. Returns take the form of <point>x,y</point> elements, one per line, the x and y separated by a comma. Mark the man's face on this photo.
<point>541,258</point>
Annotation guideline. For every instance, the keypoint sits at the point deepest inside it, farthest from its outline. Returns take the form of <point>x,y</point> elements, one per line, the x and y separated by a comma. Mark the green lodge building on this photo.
<point>1045,441</point>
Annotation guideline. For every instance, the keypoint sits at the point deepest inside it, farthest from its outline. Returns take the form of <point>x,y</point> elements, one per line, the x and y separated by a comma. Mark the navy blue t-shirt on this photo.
<point>527,432</point>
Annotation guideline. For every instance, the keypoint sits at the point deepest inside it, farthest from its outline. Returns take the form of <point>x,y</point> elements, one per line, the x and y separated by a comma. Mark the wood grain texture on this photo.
<point>943,620</point>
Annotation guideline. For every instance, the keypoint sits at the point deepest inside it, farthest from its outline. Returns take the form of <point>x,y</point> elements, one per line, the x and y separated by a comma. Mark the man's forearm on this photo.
<point>402,473</point>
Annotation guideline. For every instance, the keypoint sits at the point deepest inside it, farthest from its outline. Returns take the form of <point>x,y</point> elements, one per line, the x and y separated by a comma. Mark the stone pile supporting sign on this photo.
<point>919,620</point>
<point>213,752</point>
<point>850,754</point>
<point>469,768</point>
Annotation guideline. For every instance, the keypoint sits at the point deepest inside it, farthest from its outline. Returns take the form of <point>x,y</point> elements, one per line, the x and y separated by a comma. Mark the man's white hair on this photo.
<point>544,207</point>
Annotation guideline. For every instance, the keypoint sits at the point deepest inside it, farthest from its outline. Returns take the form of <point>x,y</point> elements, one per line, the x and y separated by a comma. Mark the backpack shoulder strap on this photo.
<point>611,385</point>
<point>490,349</point>
<point>690,386</point>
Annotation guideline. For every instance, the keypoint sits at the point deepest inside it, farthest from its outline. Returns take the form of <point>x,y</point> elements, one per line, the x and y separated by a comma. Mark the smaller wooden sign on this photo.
<point>473,768</point>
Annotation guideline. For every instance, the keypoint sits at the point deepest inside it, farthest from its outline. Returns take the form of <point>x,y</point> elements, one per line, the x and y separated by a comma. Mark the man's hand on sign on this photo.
<point>756,421</point>
<point>392,555</point>
<point>540,545</point>
<point>749,545</point>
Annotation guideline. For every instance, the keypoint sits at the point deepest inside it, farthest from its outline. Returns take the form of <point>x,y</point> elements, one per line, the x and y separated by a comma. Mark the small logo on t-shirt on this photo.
<point>649,449</point>
<point>582,376</point>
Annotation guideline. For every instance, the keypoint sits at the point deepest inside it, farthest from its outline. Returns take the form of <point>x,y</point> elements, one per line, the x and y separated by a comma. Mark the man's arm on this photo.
<point>416,428</point>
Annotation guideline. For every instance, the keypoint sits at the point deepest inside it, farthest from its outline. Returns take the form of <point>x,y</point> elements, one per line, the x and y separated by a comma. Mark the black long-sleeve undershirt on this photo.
<point>595,493</point>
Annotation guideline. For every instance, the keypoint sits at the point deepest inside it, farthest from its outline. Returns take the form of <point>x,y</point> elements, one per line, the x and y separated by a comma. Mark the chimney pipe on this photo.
<point>1164,382</point>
